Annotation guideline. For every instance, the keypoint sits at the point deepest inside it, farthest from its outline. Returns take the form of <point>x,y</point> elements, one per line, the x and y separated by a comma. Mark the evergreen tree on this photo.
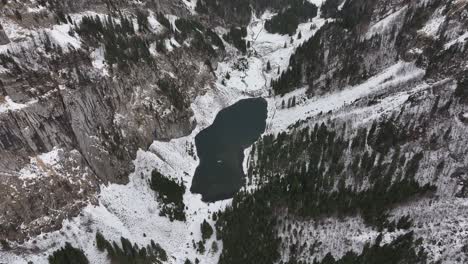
<point>170,193</point>
<point>69,255</point>
<point>206,230</point>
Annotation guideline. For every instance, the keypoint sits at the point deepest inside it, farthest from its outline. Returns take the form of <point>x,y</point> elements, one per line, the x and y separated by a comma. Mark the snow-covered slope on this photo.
<point>131,210</point>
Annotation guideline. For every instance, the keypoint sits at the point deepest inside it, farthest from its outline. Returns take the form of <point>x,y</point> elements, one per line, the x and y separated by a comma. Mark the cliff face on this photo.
<point>85,85</point>
<point>57,92</point>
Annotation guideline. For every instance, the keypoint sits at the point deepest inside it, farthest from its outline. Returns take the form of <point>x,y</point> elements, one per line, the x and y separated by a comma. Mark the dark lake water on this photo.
<point>220,148</point>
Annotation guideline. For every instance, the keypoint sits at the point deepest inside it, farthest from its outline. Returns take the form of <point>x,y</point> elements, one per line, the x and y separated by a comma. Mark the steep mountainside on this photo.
<point>364,159</point>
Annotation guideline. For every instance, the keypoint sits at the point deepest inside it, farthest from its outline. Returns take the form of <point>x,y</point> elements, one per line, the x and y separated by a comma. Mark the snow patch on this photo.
<point>401,72</point>
<point>41,165</point>
<point>154,24</point>
<point>340,7</point>
<point>387,23</point>
<point>9,105</point>
<point>432,26</point>
<point>132,210</point>
<point>99,61</point>
<point>59,35</point>
<point>461,39</point>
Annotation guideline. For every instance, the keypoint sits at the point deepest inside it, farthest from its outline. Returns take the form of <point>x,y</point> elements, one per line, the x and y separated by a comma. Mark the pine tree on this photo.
<point>69,255</point>
<point>214,247</point>
<point>18,15</point>
<point>206,230</point>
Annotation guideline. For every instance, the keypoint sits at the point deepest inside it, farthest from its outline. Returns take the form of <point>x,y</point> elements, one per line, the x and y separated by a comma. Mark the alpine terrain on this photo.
<point>233,131</point>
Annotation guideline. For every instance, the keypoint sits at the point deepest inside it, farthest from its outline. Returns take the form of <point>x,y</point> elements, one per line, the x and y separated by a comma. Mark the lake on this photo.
<point>220,148</point>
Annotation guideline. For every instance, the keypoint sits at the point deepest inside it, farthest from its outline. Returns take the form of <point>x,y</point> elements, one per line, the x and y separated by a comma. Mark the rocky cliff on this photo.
<point>367,103</point>
<point>57,92</point>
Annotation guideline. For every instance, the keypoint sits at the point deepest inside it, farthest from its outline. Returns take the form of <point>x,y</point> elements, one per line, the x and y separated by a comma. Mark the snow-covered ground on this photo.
<point>401,72</point>
<point>131,210</point>
<point>8,105</point>
<point>387,23</point>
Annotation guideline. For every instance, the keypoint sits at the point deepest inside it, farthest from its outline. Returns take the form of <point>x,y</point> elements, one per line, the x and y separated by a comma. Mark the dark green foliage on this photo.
<point>186,25</point>
<point>330,8</point>
<point>214,247</point>
<point>201,247</point>
<point>170,193</point>
<point>202,39</point>
<point>236,36</point>
<point>18,15</point>
<point>172,92</point>
<point>462,89</point>
<point>4,244</point>
<point>404,222</point>
<point>122,45</point>
<point>314,169</point>
<point>142,20</point>
<point>290,79</point>
<point>215,39</point>
<point>268,67</point>
<point>401,250</point>
<point>237,11</point>
<point>199,43</point>
<point>60,17</point>
<point>413,165</point>
<point>355,13</point>
<point>317,172</point>
<point>386,137</point>
<point>247,231</point>
<point>286,21</point>
<point>68,255</point>
<point>305,57</point>
<point>336,39</point>
<point>130,254</point>
<point>206,230</point>
<point>161,18</point>
<point>160,47</point>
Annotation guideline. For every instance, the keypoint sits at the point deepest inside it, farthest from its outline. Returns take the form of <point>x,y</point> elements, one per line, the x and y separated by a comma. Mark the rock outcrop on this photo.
<point>57,91</point>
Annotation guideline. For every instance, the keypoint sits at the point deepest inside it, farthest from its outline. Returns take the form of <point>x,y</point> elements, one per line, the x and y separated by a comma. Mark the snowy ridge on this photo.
<point>385,25</point>
<point>401,72</point>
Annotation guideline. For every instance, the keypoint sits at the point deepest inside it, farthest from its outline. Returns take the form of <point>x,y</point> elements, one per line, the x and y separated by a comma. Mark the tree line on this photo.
<point>320,172</point>
<point>122,45</point>
<point>170,193</point>
<point>287,20</point>
<point>128,253</point>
